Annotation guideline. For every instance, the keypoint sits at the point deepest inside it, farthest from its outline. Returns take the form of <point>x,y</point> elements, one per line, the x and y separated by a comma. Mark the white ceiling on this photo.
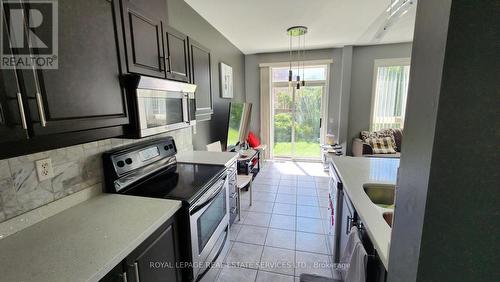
<point>257,26</point>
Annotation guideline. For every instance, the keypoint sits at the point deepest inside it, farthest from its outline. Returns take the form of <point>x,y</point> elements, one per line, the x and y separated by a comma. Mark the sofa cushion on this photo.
<point>398,138</point>
<point>382,145</point>
<point>397,155</point>
<point>364,135</point>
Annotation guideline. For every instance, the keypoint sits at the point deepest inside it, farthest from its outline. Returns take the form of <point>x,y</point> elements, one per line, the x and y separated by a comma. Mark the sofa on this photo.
<point>363,149</point>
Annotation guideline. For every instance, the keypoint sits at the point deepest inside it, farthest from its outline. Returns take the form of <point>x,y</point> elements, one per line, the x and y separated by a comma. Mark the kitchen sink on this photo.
<point>380,194</point>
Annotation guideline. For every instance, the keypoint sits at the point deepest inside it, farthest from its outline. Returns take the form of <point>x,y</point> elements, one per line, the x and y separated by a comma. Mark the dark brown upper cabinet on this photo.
<point>143,27</point>
<point>84,92</point>
<point>81,100</point>
<point>201,75</point>
<point>13,123</point>
<point>176,49</point>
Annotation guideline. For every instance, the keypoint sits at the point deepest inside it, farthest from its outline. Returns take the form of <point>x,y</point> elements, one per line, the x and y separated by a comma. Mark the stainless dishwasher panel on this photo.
<point>335,191</point>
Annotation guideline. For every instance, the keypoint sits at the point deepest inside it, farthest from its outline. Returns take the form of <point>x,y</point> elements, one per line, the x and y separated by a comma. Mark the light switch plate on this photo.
<point>44,169</point>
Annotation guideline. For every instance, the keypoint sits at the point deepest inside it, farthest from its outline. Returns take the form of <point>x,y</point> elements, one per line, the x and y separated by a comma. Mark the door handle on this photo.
<point>21,111</point>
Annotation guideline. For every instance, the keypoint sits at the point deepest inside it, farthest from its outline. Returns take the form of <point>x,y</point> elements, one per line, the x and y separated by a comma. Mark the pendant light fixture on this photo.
<point>300,33</point>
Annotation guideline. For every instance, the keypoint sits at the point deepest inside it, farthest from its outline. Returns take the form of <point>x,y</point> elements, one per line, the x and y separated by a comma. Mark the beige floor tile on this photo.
<point>252,235</point>
<point>280,238</point>
<point>283,222</point>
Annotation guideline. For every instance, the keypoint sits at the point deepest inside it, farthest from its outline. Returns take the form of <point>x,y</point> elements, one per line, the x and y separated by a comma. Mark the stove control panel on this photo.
<point>125,160</point>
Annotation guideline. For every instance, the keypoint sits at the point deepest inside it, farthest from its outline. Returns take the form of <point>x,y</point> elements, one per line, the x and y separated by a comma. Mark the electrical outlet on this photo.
<point>44,169</point>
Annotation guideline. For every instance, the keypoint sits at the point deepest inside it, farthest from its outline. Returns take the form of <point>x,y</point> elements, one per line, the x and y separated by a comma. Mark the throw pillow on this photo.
<point>364,135</point>
<point>253,141</point>
<point>382,145</point>
<point>398,138</point>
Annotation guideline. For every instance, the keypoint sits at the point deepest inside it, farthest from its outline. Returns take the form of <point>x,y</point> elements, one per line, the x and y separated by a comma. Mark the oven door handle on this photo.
<point>209,199</point>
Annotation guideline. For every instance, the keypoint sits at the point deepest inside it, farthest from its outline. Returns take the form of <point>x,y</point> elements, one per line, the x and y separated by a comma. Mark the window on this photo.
<point>311,73</point>
<point>390,90</point>
<point>297,113</point>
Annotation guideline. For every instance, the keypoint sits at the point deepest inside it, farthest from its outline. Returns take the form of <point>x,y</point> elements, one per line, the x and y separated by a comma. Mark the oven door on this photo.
<point>209,219</point>
<point>160,111</point>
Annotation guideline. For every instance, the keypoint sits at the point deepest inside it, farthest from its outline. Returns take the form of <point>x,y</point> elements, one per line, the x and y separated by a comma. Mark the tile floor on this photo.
<point>284,232</point>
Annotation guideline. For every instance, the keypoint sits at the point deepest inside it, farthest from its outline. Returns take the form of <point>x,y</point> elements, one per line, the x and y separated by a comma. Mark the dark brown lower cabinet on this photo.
<point>117,274</point>
<point>375,271</point>
<point>156,259</point>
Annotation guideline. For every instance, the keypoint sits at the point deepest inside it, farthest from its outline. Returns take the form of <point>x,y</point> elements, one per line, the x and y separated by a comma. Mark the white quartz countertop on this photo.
<point>206,157</point>
<point>356,171</point>
<point>85,242</point>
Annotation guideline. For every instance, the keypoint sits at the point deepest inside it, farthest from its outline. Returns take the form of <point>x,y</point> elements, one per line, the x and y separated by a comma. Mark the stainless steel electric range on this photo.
<point>150,169</point>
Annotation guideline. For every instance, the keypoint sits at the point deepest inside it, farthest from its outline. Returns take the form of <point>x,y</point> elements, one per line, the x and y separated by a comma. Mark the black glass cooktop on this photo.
<point>187,183</point>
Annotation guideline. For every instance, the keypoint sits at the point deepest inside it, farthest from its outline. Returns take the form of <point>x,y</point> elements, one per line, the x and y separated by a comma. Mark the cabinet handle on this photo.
<point>169,64</point>
<point>124,277</point>
<point>41,112</point>
<point>2,118</point>
<point>136,271</point>
<point>348,226</point>
<point>21,111</point>
<point>162,63</point>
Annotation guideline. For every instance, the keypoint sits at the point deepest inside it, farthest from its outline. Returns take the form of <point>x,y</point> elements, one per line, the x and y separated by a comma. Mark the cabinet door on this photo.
<point>201,75</point>
<point>84,92</point>
<point>13,124</point>
<point>117,274</point>
<point>143,36</point>
<point>347,218</point>
<point>176,47</point>
<point>156,258</point>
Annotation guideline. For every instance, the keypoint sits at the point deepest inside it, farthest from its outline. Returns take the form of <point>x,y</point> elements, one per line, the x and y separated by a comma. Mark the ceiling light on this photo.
<point>396,9</point>
<point>298,32</point>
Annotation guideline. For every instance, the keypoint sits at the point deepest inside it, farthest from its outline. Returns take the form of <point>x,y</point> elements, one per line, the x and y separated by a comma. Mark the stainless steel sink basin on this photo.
<point>380,194</point>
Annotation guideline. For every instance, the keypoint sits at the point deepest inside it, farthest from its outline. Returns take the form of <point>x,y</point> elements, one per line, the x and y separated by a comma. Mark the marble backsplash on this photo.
<point>75,168</point>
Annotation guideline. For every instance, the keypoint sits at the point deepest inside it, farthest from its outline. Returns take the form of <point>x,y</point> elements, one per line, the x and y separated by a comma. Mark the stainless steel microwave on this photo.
<point>158,105</point>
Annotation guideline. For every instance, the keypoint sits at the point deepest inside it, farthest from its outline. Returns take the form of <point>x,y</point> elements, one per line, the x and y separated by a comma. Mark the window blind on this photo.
<point>391,91</point>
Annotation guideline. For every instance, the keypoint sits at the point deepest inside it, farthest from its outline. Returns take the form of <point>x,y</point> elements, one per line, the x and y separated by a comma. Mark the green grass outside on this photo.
<point>302,149</point>
<point>233,136</point>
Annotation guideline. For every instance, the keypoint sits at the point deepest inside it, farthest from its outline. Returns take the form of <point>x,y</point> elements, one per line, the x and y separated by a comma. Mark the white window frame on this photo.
<point>383,63</point>
<point>324,101</point>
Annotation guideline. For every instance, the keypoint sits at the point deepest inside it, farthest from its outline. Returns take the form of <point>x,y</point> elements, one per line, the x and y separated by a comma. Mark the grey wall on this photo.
<point>363,59</point>
<point>252,79</point>
<point>350,84</point>
<point>446,217</point>
<point>185,19</point>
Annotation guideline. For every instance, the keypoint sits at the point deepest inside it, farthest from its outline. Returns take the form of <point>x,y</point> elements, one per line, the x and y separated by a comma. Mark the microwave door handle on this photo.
<point>185,108</point>
<point>208,200</point>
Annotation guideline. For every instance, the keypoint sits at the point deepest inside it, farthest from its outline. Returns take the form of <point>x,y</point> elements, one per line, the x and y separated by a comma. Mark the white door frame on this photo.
<point>324,104</point>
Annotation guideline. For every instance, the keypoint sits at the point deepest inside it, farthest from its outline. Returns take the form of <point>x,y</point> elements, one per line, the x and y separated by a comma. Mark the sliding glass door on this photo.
<point>297,114</point>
